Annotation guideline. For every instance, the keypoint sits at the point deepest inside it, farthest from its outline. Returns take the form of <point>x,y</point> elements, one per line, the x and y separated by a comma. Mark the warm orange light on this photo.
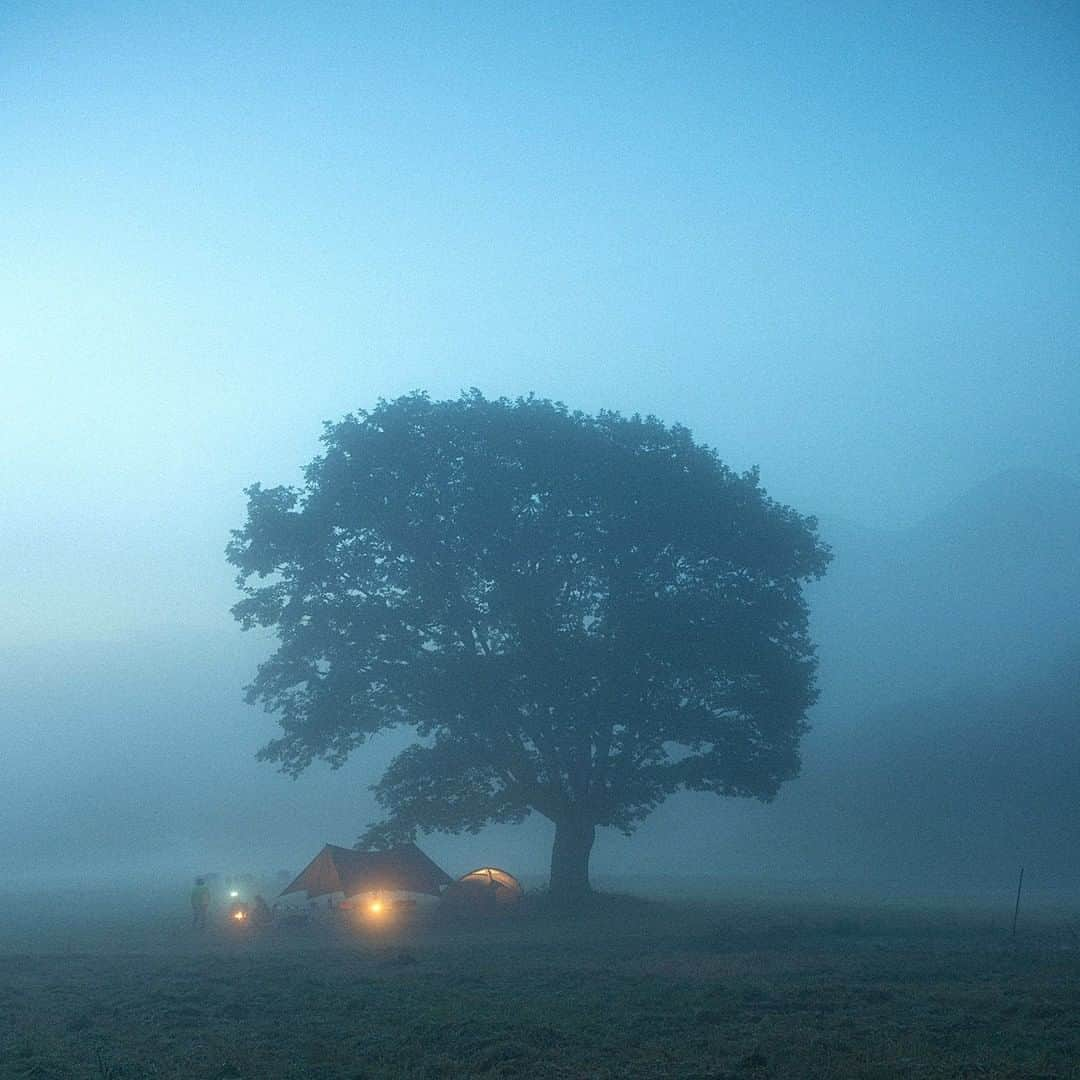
<point>375,907</point>
<point>239,916</point>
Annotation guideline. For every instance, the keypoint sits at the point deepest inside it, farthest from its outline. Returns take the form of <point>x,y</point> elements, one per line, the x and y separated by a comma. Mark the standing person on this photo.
<point>200,904</point>
<point>261,915</point>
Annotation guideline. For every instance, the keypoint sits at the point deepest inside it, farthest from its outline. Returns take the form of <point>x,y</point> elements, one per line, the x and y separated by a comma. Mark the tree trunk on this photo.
<point>570,861</point>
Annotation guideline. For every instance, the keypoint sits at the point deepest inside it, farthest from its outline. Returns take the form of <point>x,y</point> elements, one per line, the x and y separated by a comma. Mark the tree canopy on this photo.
<point>577,615</point>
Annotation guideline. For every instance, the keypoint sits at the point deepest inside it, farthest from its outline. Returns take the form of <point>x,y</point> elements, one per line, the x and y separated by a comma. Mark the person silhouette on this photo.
<point>200,904</point>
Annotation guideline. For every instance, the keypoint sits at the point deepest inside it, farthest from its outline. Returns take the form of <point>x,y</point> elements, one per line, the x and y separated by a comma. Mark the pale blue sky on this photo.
<point>839,241</point>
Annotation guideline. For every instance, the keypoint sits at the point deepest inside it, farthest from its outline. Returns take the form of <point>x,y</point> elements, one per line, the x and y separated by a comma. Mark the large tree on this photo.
<point>577,615</point>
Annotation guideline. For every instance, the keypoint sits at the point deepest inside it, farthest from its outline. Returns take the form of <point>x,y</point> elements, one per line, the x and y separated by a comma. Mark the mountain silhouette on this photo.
<point>982,593</point>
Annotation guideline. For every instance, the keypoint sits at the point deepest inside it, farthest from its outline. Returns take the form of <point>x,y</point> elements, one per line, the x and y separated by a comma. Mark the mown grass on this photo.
<point>744,991</point>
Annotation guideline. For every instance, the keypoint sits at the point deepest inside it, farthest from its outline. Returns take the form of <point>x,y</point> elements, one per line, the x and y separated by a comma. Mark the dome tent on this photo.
<point>477,888</point>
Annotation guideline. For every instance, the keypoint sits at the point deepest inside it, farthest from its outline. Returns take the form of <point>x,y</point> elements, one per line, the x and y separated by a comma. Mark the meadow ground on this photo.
<point>739,989</point>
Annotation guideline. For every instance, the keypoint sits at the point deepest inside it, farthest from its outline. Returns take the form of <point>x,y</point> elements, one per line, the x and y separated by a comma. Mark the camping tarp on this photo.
<point>404,868</point>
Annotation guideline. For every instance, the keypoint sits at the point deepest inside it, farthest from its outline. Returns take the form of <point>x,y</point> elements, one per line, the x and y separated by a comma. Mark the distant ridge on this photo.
<point>1014,503</point>
<point>976,594</point>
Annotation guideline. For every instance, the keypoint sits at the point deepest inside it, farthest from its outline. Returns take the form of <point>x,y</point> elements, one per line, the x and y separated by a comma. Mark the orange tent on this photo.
<point>404,868</point>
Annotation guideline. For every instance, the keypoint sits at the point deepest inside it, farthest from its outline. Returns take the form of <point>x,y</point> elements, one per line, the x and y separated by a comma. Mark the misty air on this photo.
<point>540,542</point>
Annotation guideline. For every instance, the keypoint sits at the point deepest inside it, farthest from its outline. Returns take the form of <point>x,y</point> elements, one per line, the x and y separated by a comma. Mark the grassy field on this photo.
<point>743,989</point>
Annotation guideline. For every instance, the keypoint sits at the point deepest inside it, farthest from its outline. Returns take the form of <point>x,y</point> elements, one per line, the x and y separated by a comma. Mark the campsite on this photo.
<point>382,887</point>
<point>740,987</point>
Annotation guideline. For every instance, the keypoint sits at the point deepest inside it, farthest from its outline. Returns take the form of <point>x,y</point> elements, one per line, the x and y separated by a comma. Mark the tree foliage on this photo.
<point>578,615</point>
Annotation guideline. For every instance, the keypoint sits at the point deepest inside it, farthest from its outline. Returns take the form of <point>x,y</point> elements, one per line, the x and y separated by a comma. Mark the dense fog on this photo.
<point>943,752</point>
<point>854,265</point>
